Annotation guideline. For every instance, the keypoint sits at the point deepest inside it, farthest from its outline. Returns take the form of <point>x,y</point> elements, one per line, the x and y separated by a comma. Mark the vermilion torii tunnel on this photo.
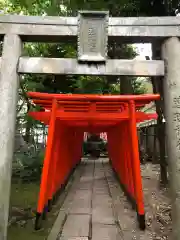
<point>68,117</point>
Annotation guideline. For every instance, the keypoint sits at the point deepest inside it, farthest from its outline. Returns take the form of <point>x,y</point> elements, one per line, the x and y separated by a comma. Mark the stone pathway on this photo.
<point>96,208</point>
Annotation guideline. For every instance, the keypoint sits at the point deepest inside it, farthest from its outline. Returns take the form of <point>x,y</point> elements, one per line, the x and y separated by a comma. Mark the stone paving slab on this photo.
<point>81,202</point>
<point>85,185</point>
<point>101,188</point>
<point>87,180</point>
<point>66,199</point>
<point>74,238</point>
<point>105,232</point>
<point>80,207</point>
<point>103,216</point>
<point>77,225</point>
<point>101,199</point>
<point>102,212</point>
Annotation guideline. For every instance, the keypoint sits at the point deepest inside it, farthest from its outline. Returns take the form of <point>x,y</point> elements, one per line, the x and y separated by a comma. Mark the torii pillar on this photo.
<point>171,56</point>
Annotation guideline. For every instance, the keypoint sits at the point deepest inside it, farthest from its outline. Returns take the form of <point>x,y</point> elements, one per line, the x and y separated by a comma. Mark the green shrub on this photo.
<point>27,166</point>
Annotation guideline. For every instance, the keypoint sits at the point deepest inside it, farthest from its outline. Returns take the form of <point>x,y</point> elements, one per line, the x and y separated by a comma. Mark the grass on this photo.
<point>25,196</point>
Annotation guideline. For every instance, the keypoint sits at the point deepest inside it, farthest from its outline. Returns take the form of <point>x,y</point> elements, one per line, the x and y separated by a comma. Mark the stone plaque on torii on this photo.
<point>92,36</point>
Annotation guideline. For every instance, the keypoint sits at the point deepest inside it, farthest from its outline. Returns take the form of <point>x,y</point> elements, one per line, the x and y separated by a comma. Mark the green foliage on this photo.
<point>138,86</point>
<point>27,165</point>
<point>69,84</point>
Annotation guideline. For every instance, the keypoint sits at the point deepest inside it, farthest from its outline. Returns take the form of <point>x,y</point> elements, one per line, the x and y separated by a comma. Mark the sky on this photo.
<point>143,49</point>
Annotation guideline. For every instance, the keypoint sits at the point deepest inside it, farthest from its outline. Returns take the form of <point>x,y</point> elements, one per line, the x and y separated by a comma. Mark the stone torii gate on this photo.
<point>96,28</point>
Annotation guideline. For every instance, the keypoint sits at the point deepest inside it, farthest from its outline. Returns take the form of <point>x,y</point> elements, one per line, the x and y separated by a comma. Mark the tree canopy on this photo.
<point>82,84</point>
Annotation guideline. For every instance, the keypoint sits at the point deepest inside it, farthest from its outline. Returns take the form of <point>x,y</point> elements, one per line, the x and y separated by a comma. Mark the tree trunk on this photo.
<point>126,85</point>
<point>158,88</point>
<point>27,136</point>
<point>155,153</point>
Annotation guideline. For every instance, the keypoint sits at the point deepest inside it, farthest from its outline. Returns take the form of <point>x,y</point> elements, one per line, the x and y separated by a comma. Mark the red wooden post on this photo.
<point>59,167</point>
<point>130,162</point>
<point>126,159</point>
<point>136,165</point>
<point>42,201</point>
<point>54,164</point>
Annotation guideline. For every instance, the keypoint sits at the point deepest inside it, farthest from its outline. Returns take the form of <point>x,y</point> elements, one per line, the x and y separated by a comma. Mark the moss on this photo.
<point>25,196</point>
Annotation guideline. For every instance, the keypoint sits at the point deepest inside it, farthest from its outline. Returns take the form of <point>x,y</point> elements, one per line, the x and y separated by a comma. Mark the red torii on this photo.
<point>68,117</point>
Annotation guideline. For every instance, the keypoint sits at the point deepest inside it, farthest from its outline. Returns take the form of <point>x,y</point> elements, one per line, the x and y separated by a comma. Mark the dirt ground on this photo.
<point>157,203</point>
